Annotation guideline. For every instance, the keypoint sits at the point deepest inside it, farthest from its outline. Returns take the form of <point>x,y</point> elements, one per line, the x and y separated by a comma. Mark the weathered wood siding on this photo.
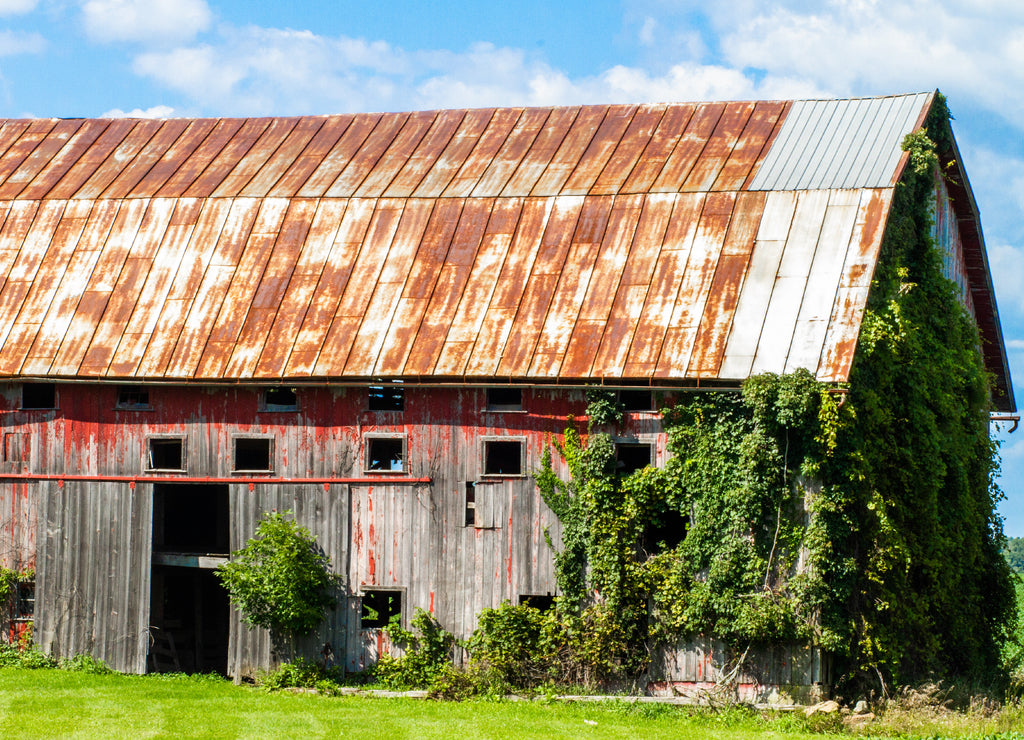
<point>382,530</point>
<point>93,572</point>
<point>768,674</point>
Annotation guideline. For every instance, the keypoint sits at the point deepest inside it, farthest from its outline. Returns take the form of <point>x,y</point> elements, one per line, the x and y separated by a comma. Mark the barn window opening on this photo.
<point>380,608</point>
<point>385,454</point>
<point>133,398</point>
<point>279,399</point>
<point>386,398</point>
<point>191,518</point>
<point>636,400</point>
<point>166,453</point>
<point>470,519</point>
<point>540,602</point>
<point>503,457</point>
<point>632,457</point>
<point>38,396</point>
<point>504,399</point>
<point>665,531</point>
<point>254,455</point>
<point>24,600</point>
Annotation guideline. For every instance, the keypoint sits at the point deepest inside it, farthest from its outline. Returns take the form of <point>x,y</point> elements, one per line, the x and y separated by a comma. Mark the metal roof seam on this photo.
<point>697,218</point>
<point>766,146</point>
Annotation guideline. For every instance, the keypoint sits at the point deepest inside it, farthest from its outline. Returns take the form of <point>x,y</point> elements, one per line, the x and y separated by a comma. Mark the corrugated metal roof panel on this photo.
<point>841,144</point>
<point>602,242</point>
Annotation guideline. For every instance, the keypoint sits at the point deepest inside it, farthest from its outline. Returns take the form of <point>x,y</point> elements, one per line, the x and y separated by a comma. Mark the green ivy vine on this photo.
<point>861,518</point>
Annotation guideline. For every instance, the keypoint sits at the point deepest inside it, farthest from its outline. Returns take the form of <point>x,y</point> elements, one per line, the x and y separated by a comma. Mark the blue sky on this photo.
<point>83,58</point>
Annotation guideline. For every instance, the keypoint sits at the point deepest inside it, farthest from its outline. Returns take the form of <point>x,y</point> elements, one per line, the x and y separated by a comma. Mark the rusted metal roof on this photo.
<point>655,243</point>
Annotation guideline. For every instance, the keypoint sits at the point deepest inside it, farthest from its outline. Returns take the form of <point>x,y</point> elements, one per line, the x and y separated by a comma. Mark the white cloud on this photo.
<point>646,34</point>
<point>157,111</point>
<point>145,20</point>
<point>973,50</point>
<point>15,42</point>
<point>15,7</point>
<point>260,71</point>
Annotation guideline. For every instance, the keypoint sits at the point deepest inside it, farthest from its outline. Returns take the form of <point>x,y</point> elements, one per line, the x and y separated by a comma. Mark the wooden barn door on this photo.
<point>93,572</point>
<point>323,510</point>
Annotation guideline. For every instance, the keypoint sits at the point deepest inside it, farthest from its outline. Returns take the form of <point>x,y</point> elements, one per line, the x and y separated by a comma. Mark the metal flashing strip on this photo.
<point>251,481</point>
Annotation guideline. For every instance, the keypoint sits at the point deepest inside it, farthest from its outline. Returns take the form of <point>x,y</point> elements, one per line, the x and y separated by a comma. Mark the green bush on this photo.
<point>425,657</point>
<point>303,674</point>
<point>280,580</point>
<point>513,644</point>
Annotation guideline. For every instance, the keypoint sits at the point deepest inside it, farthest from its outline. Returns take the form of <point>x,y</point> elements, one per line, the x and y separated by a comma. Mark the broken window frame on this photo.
<point>469,503</point>
<point>390,398</point>
<point>635,443</point>
<point>133,398</point>
<point>626,398</point>
<point>46,390</point>
<point>148,462</point>
<point>402,594</point>
<point>368,441</point>
<point>271,453</point>
<point>540,602</point>
<point>495,405</point>
<point>487,441</point>
<point>268,407</point>
<point>24,601</point>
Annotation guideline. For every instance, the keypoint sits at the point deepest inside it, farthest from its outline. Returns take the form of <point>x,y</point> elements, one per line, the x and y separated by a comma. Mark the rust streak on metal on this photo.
<point>709,344</point>
<point>175,170</point>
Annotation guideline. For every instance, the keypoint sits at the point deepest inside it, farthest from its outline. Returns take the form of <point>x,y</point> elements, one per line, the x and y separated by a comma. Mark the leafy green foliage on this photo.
<point>1013,551</point>
<point>521,648</point>
<point>303,674</point>
<point>867,526</point>
<point>26,656</point>
<point>915,477</point>
<point>280,580</point>
<point>426,654</point>
<point>603,408</point>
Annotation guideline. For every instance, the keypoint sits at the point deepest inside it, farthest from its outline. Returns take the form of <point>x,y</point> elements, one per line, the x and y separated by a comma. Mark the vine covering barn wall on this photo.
<point>862,518</point>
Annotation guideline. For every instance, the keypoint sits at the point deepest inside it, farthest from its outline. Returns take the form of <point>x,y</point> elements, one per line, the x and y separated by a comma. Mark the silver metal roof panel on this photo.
<point>840,143</point>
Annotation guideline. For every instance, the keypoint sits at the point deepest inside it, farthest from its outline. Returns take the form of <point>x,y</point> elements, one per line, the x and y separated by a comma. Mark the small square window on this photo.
<point>254,454</point>
<point>636,400</point>
<point>503,457</point>
<point>380,608</point>
<point>504,399</point>
<point>386,398</point>
<point>166,453</point>
<point>279,399</point>
<point>38,396</point>
<point>385,454</point>
<point>133,398</point>
<point>633,456</point>
<point>540,602</point>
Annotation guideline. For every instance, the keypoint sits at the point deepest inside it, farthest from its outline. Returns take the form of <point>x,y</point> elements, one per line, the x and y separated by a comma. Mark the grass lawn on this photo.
<point>53,703</point>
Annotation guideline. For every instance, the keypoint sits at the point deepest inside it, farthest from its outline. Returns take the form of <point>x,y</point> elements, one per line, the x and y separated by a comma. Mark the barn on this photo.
<point>378,321</point>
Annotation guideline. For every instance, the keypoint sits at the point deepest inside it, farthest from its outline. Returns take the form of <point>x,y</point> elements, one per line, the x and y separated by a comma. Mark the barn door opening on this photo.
<point>189,609</point>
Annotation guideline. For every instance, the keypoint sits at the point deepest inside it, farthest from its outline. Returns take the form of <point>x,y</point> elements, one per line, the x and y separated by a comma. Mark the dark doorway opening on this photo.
<point>190,518</point>
<point>189,608</point>
<point>189,616</point>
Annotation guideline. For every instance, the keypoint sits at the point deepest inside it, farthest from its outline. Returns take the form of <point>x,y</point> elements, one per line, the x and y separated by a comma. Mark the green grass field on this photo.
<point>56,703</point>
<point>53,703</point>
